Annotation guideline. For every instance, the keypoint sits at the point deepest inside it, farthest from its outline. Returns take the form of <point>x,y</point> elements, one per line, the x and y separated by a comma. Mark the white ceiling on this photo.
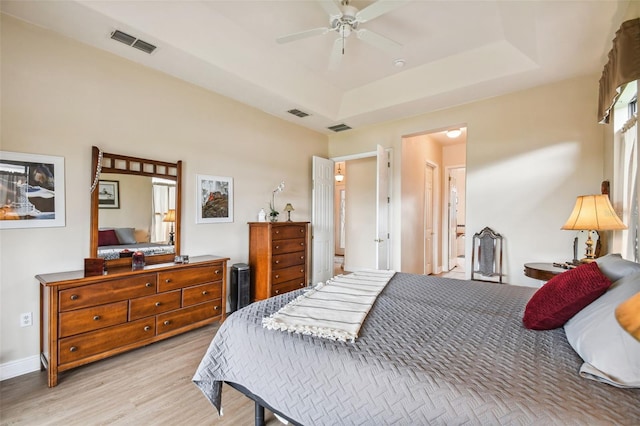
<point>455,51</point>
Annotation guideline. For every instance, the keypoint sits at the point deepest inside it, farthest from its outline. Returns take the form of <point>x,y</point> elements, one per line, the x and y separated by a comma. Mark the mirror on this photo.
<point>135,206</point>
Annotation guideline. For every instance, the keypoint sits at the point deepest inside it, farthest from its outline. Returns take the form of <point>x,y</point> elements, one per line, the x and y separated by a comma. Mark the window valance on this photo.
<point>623,66</point>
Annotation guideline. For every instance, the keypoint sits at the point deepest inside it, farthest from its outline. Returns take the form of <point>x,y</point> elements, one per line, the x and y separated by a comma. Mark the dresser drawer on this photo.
<point>107,292</point>
<point>287,274</point>
<point>153,305</point>
<point>286,287</point>
<point>93,318</point>
<point>288,259</point>
<point>201,293</point>
<point>286,232</point>
<point>172,280</point>
<point>288,246</point>
<point>84,345</point>
<point>186,316</point>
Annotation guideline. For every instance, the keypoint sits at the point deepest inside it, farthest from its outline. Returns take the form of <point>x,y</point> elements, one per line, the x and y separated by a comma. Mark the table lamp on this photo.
<point>593,213</point>
<point>288,208</point>
<point>170,216</point>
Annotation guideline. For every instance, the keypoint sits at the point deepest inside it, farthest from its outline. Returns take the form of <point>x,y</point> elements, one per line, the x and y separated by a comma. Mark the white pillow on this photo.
<point>610,354</point>
<point>126,235</point>
<point>615,267</point>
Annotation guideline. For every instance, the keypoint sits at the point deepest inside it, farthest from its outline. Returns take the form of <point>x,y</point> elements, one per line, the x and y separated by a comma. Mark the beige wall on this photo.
<point>529,154</point>
<point>60,97</point>
<point>416,152</point>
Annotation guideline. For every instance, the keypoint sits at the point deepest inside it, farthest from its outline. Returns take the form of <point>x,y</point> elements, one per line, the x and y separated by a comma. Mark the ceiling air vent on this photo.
<point>130,40</point>
<point>298,113</point>
<point>339,127</point>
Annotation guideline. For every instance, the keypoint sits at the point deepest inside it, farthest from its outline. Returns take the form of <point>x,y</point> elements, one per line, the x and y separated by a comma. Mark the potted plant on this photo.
<point>273,213</point>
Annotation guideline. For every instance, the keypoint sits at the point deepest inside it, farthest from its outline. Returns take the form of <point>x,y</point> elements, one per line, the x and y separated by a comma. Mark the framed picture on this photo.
<point>31,190</point>
<point>109,194</point>
<point>214,199</point>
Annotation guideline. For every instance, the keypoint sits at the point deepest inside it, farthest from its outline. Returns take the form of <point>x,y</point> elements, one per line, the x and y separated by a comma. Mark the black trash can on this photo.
<point>240,287</point>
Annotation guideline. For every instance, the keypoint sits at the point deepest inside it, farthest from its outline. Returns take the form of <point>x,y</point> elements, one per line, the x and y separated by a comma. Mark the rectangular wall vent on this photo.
<point>339,127</point>
<point>130,40</point>
<point>298,113</point>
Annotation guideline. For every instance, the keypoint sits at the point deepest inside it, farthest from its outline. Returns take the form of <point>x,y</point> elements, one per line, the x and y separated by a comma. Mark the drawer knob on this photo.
<point>216,308</point>
<point>148,285</point>
<point>301,257</point>
<point>205,292</point>
<point>167,322</point>
<point>96,317</point>
<point>158,303</point>
<point>277,261</point>
<point>277,291</point>
<point>301,284</point>
<point>301,270</point>
<point>277,276</point>
<point>74,297</point>
<point>147,328</point>
<point>277,247</point>
<point>168,280</point>
<point>73,349</point>
<point>301,230</point>
<point>302,244</point>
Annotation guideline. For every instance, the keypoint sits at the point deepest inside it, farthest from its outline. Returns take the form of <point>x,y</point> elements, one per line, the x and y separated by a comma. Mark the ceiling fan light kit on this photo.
<point>345,19</point>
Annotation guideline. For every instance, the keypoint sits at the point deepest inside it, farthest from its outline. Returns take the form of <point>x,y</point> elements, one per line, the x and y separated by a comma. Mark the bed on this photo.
<point>430,351</point>
<point>114,243</point>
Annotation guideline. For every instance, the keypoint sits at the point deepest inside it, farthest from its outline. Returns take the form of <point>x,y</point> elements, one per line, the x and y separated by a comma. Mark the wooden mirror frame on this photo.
<point>122,164</point>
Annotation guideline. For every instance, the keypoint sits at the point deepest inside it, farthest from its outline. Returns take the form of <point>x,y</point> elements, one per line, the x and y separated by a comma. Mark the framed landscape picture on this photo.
<point>31,190</point>
<point>214,199</point>
<point>109,194</point>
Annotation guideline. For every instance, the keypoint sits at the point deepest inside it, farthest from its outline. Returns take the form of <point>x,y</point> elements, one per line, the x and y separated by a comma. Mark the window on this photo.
<point>626,170</point>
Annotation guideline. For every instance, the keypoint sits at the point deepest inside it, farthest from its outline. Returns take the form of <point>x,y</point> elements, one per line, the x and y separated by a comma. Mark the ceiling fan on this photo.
<point>345,19</point>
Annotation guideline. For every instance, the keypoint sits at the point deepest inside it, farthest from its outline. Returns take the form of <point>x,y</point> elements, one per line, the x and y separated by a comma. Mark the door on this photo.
<point>453,221</point>
<point>322,221</point>
<point>383,202</point>
<point>428,219</point>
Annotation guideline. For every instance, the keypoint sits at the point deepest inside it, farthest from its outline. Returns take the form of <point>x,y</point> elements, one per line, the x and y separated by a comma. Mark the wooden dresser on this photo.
<point>278,257</point>
<point>85,319</point>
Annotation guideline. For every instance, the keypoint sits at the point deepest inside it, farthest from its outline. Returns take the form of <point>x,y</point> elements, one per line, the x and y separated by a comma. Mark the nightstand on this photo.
<point>542,271</point>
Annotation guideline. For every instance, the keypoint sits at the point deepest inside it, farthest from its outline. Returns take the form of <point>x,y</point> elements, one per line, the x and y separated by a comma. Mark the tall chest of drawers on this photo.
<point>278,257</point>
<point>85,319</point>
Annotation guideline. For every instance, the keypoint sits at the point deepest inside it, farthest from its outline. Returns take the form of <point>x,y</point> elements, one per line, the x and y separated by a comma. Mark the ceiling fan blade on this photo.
<point>302,34</point>
<point>336,54</point>
<point>376,40</point>
<point>378,8</point>
<point>331,7</point>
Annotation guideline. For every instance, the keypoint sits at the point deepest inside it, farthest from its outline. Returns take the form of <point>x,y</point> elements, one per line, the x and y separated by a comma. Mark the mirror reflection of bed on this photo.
<point>139,223</point>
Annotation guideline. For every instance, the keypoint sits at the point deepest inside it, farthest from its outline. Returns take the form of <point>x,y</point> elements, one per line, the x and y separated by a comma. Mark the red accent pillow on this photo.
<point>564,296</point>
<point>108,238</point>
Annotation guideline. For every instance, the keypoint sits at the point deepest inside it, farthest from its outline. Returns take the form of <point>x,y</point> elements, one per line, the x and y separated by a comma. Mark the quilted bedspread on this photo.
<point>431,351</point>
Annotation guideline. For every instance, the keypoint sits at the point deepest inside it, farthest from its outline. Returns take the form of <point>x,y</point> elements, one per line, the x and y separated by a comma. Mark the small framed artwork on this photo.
<point>214,199</point>
<point>31,190</point>
<point>109,194</point>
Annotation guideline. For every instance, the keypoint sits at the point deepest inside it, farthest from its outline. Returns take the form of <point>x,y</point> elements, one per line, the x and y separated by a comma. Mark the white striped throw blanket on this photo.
<point>334,310</point>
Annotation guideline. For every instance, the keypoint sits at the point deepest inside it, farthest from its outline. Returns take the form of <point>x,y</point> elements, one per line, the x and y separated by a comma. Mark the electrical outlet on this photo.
<point>26,319</point>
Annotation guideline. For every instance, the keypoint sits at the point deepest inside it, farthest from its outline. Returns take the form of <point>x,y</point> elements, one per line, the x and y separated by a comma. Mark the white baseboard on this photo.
<point>19,367</point>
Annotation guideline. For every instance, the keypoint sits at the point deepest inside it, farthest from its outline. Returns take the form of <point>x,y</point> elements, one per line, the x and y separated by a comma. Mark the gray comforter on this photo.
<point>431,351</point>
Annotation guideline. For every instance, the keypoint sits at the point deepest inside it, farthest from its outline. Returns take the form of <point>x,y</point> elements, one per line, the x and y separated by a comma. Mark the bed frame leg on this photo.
<point>259,415</point>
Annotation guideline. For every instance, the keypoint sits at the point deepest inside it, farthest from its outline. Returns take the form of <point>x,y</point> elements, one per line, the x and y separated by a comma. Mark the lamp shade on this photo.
<point>288,208</point>
<point>593,212</point>
<point>170,216</point>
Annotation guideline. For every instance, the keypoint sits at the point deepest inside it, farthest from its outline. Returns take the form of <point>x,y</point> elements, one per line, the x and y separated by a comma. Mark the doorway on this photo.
<point>429,230</point>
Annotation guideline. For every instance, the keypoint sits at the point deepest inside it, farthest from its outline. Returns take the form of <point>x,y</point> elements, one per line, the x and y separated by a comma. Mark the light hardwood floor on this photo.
<point>147,386</point>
